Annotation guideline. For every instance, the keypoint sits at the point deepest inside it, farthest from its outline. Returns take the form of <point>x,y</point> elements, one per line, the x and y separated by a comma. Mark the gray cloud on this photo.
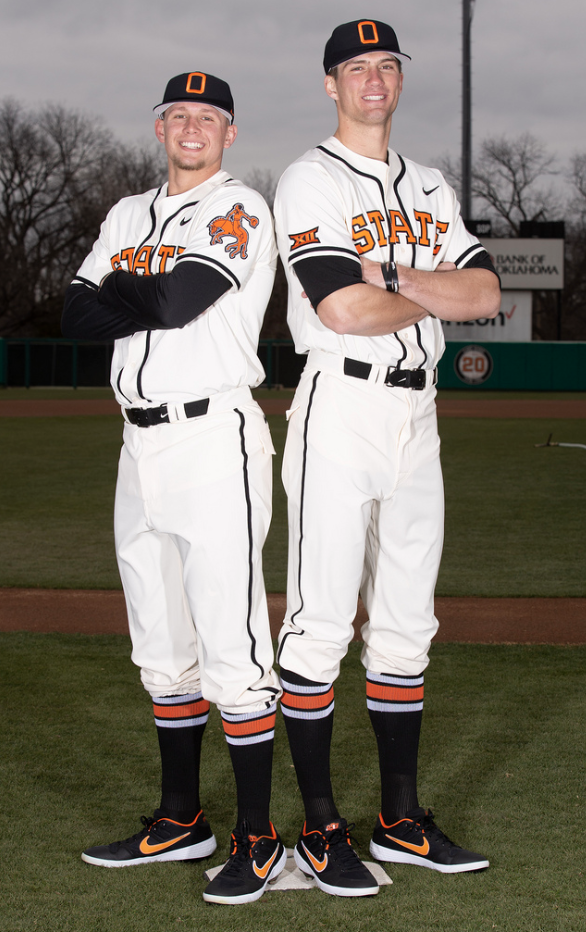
<point>113,59</point>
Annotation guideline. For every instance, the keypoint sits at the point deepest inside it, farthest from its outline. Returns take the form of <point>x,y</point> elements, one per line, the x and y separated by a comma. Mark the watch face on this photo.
<point>473,364</point>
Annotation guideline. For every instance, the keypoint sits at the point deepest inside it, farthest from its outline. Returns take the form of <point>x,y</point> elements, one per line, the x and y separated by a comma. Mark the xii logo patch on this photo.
<point>304,239</point>
<point>231,225</point>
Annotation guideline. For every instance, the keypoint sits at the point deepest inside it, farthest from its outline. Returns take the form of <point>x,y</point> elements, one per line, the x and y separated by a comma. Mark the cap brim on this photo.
<point>160,108</point>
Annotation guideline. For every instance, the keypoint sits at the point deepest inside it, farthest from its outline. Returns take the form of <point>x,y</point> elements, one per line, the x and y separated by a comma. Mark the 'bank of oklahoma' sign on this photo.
<point>534,264</point>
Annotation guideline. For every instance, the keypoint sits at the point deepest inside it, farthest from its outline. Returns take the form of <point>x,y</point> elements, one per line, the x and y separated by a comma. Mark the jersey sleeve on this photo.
<point>309,217</point>
<point>231,233</point>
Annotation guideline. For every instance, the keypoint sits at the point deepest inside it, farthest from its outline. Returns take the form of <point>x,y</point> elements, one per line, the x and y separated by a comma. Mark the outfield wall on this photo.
<point>533,366</point>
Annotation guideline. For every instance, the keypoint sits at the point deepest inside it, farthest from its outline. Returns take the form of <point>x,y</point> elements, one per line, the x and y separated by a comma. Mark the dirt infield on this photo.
<point>447,407</point>
<point>469,620</point>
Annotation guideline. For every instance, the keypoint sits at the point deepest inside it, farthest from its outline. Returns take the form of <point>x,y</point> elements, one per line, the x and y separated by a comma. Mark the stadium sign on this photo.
<point>536,264</point>
<point>512,324</point>
<point>473,364</point>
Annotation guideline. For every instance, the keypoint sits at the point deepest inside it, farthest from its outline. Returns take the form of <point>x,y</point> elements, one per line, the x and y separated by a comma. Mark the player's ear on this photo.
<point>160,130</point>
<point>330,86</point>
<point>231,134</point>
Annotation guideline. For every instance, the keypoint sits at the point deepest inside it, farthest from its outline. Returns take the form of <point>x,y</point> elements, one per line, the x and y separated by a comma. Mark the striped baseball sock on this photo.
<point>180,722</point>
<point>395,706</point>
<point>308,709</point>
<point>250,737</point>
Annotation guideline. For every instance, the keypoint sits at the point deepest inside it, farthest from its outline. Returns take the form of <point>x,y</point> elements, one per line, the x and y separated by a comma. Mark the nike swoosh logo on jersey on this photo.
<point>187,219</point>
<point>146,848</point>
<point>431,190</point>
<point>422,849</point>
<point>319,865</point>
<point>262,872</point>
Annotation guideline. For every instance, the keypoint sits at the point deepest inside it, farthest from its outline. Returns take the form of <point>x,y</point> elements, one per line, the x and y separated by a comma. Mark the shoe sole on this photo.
<point>327,887</point>
<point>248,897</point>
<point>202,850</point>
<point>399,857</point>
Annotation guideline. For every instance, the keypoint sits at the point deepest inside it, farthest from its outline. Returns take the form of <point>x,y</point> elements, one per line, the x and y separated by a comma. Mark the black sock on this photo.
<point>250,741</point>
<point>310,739</point>
<point>180,747</point>
<point>397,734</point>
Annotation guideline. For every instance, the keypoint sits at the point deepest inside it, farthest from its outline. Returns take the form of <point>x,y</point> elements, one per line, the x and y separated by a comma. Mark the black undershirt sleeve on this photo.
<point>127,304</point>
<point>322,275</point>
<point>84,318</point>
<point>481,260</point>
<point>167,301</point>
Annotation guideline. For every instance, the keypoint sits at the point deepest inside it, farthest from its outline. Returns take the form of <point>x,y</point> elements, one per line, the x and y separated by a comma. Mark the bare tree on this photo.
<point>510,177</point>
<point>59,173</point>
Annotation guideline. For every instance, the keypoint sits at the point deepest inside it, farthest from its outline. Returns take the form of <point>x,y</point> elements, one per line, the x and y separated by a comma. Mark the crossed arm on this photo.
<point>368,309</point>
<point>125,304</point>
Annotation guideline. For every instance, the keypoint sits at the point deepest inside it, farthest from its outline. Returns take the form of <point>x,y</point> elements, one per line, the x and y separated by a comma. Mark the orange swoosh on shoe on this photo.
<point>262,872</point>
<point>319,865</point>
<point>418,849</point>
<point>152,849</point>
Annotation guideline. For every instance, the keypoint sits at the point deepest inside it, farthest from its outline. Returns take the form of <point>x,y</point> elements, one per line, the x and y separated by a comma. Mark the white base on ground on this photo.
<point>291,878</point>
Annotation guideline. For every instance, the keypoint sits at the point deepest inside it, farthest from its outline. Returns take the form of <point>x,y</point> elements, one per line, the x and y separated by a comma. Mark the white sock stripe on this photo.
<point>305,690</point>
<point>177,700</point>
<point>180,723</point>
<point>388,679</point>
<point>305,714</point>
<point>249,716</point>
<point>394,706</point>
<point>251,739</point>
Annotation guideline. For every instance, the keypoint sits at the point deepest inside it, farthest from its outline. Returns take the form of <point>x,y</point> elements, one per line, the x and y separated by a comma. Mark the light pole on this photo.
<point>467,8</point>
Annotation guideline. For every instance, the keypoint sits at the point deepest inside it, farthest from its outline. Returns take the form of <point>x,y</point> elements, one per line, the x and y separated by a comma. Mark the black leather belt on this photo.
<point>150,417</point>
<point>415,379</point>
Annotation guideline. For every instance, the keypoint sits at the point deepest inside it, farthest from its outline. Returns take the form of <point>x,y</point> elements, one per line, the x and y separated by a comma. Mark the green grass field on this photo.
<point>515,514</point>
<point>499,766</point>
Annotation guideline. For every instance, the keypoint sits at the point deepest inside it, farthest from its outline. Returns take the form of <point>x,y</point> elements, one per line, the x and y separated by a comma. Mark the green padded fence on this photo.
<point>523,366</point>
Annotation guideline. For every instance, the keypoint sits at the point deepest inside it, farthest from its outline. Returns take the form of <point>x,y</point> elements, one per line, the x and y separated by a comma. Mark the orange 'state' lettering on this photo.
<point>142,261</point>
<point>165,252</point>
<point>377,218</point>
<point>361,235</point>
<point>440,229</point>
<point>400,225</point>
<point>424,220</point>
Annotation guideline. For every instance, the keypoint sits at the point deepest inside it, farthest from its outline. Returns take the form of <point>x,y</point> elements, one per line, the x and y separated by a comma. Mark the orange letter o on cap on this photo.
<point>202,83</point>
<point>365,41</point>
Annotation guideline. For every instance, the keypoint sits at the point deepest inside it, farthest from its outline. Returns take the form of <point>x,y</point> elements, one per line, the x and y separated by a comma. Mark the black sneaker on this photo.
<point>254,861</point>
<point>327,854</point>
<point>416,839</point>
<point>161,839</point>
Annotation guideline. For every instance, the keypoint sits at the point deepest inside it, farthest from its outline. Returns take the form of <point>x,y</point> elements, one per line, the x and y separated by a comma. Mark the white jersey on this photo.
<point>220,223</point>
<point>334,202</point>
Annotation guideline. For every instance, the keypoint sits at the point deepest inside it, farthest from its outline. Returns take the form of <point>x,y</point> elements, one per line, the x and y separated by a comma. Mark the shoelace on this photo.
<point>432,830</point>
<point>237,860</point>
<point>339,843</point>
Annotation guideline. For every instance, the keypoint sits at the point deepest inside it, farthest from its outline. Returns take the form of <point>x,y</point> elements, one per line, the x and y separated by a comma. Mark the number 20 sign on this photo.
<point>473,364</point>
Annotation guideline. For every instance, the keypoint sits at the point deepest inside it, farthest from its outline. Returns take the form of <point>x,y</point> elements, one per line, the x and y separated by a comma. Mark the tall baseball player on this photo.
<point>375,252</point>
<point>180,277</point>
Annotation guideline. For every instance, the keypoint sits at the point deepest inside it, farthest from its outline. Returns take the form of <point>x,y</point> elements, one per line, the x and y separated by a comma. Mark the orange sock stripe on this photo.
<point>394,693</point>
<point>255,726</point>
<point>296,701</point>
<point>186,710</point>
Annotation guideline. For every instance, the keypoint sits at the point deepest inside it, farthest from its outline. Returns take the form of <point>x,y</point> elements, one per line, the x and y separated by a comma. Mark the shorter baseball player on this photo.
<point>180,277</point>
<point>375,251</point>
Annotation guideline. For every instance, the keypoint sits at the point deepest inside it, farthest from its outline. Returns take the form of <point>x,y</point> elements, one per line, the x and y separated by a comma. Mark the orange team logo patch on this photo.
<point>231,225</point>
<point>304,239</point>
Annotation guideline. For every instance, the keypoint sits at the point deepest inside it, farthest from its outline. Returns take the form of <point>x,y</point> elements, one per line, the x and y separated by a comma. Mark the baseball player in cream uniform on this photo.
<point>180,277</point>
<point>376,253</point>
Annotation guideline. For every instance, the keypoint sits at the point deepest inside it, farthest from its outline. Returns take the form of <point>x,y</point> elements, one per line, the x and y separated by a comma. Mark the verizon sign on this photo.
<point>511,325</point>
<point>536,264</point>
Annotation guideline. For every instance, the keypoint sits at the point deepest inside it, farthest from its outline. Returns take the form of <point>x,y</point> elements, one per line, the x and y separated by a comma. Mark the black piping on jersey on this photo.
<point>118,380</point>
<point>226,271</point>
<point>385,215</point>
<point>467,252</point>
<point>153,219</point>
<point>301,503</point>
<point>332,249</point>
<point>86,281</point>
<point>163,228</point>
<point>147,348</point>
<point>249,527</point>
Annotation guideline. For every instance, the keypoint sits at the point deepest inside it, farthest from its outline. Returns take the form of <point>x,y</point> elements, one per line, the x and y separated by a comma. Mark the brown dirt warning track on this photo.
<point>470,620</point>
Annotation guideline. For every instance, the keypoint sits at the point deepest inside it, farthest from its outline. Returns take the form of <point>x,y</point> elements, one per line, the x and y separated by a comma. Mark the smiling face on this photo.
<point>366,89</point>
<point>195,136</point>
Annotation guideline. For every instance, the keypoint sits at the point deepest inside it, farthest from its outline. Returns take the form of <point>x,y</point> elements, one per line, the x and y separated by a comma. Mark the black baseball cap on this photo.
<point>198,87</point>
<point>363,35</point>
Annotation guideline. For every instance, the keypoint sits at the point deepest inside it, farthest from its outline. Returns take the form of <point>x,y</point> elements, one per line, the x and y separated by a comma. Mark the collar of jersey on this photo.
<point>370,166</point>
<point>171,203</point>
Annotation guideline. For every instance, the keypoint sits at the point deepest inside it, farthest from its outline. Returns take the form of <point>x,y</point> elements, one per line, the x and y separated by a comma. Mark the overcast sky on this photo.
<point>112,58</point>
